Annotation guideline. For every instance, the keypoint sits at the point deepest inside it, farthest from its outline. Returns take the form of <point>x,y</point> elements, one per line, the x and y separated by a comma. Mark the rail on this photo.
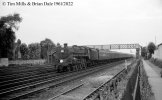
<point>98,89</point>
<point>97,94</point>
<point>40,87</point>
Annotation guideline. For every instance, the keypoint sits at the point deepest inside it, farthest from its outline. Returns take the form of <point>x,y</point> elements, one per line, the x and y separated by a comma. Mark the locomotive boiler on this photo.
<point>73,58</point>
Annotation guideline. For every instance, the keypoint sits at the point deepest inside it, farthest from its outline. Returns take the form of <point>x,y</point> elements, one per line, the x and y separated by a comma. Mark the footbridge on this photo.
<point>118,46</point>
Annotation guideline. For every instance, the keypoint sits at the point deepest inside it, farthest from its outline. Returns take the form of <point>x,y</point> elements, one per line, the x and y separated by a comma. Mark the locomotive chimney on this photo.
<point>65,45</point>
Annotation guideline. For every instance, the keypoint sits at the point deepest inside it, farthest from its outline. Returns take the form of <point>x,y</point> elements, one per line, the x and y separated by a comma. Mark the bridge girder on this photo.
<point>115,46</point>
<point>118,46</point>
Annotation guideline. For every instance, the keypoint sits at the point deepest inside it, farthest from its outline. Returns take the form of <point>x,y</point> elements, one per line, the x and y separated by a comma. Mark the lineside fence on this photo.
<point>30,62</point>
<point>118,88</point>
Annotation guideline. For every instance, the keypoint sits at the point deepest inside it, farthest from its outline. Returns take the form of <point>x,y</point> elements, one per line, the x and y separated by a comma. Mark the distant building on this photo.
<point>158,52</point>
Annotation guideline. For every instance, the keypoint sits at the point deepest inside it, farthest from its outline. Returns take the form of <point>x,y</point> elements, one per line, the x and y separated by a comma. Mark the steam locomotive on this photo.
<point>73,58</point>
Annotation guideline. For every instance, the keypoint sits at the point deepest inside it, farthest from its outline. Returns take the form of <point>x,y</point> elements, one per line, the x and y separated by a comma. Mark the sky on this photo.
<point>89,22</point>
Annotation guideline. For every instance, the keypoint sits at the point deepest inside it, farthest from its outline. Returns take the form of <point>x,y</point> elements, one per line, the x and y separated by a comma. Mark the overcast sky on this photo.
<point>90,22</point>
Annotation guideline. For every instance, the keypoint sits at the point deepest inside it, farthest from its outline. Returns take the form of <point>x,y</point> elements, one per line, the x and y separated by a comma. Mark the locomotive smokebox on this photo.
<point>65,45</point>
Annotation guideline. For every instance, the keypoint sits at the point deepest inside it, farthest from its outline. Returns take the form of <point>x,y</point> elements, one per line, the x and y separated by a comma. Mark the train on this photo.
<point>74,58</point>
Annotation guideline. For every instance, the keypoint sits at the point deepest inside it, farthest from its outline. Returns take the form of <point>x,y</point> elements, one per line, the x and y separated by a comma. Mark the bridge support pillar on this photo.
<point>137,53</point>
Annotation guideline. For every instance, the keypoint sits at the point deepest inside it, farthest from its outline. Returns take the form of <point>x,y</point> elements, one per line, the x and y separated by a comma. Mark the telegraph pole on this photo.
<point>155,40</point>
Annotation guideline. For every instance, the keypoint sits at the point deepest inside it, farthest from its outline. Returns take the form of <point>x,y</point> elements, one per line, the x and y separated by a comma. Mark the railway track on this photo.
<point>20,91</point>
<point>8,75</point>
<point>73,89</point>
<point>69,90</point>
<point>24,79</point>
<point>85,98</point>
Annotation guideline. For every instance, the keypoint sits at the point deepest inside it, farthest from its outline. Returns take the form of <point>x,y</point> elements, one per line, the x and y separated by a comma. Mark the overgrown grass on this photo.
<point>156,62</point>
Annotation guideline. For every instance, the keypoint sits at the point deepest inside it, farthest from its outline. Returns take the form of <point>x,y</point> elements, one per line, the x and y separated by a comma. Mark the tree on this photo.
<point>19,42</point>
<point>8,26</point>
<point>47,45</point>
<point>144,52</point>
<point>34,51</point>
<point>151,47</point>
<point>24,51</point>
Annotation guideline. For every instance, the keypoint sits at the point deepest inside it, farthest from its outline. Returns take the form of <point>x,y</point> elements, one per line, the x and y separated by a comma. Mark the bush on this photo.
<point>161,73</point>
<point>156,62</point>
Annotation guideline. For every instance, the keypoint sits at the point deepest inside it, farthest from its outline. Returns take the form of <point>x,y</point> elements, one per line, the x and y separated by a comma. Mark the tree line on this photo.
<point>36,50</point>
<point>17,50</point>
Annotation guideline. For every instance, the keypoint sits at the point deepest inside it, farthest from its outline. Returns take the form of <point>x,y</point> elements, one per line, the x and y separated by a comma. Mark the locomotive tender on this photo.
<point>72,58</point>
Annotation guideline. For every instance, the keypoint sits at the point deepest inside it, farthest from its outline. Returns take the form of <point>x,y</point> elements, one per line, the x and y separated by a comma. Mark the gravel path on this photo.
<point>155,68</point>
